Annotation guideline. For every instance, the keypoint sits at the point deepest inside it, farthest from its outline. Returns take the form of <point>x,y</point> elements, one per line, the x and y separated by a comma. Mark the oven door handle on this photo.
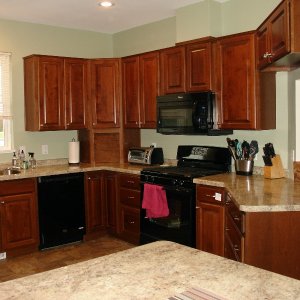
<point>173,188</point>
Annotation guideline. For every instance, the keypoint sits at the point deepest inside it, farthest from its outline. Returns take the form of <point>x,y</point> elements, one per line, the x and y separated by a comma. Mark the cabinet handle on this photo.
<point>236,218</point>
<point>197,207</point>
<point>227,229</point>
<point>130,197</point>
<point>131,222</point>
<point>236,248</point>
<point>212,196</point>
<point>267,55</point>
<point>130,181</point>
<point>2,202</point>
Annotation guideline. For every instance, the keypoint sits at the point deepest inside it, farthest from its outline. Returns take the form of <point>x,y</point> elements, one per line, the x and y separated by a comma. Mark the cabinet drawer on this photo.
<point>234,237</point>
<point>130,181</point>
<point>130,224</point>
<point>236,215</point>
<point>130,197</point>
<point>210,194</point>
<point>13,187</point>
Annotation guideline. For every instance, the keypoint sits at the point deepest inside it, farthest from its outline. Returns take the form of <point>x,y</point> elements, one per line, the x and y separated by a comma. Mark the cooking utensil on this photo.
<point>245,150</point>
<point>231,147</point>
<point>253,149</point>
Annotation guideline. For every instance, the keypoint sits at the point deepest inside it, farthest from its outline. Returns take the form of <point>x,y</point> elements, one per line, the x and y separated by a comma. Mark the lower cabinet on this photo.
<point>129,207</point>
<point>210,213</point>
<point>18,216</point>
<point>101,196</point>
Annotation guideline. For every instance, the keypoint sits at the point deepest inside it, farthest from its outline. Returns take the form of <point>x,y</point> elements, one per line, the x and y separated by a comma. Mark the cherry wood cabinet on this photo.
<point>55,93</point>
<point>246,98</point>
<point>105,93</point>
<point>173,70</point>
<point>210,213</point>
<point>129,207</point>
<point>278,35</point>
<point>18,216</point>
<point>199,67</point>
<point>140,75</point>
<point>100,194</point>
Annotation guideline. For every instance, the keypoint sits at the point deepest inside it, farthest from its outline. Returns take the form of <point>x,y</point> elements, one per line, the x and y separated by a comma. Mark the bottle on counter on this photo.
<point>14,161</point>
<point>32,160</point>
<point>21,157</point>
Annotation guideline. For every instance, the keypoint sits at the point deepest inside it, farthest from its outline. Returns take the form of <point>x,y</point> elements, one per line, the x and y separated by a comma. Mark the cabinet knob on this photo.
<point>267,55</point>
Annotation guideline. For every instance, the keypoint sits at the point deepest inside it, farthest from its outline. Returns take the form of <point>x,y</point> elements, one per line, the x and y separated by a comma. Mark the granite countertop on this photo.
<point>257,194</point>
<point>154,271</point>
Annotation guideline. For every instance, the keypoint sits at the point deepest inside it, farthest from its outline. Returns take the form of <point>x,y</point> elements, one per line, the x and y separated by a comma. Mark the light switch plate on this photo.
<point>44,149</point>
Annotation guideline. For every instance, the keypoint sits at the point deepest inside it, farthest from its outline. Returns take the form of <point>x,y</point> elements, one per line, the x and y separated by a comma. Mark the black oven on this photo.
<point>179,226</point>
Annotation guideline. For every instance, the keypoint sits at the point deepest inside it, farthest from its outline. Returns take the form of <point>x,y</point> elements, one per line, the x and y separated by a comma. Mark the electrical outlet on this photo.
<point>44,149</point>
<point>154,144</point>
<point>3,255</point>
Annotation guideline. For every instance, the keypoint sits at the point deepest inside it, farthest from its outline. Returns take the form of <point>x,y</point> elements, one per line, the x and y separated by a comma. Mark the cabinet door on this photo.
<point>172,62</point>
<point>18,221</point>
<point>110,183</point>
<point>262,47</point>
<point>105,95</point>
<point>198,67</point>
<point>210,228</point>
<point>149,88</point>
<point>131,88</point>
<point>75,92</point>
<point>279,31</point>
<point>95,203</point>
<point>51,94</point>
<point>236,81</point>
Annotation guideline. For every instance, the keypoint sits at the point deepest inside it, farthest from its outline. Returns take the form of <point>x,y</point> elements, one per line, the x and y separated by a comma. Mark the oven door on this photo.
<point>179,226</point>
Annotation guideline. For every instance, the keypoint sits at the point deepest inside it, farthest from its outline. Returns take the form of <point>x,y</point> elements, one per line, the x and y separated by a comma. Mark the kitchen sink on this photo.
<point>9,171</point>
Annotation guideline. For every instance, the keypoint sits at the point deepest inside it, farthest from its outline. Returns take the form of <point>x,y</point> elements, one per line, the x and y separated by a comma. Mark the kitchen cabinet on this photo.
<point>173,70</point>
<point>210,214</point>
<point>278,36</point>
<point>18,216</point>
<point>199,66</point>
<point>140,89</point>
<point>55,93</point>
<point>129,207</point>
<point>245,97</point>
<point>100,189</point>
<point>105,93</point>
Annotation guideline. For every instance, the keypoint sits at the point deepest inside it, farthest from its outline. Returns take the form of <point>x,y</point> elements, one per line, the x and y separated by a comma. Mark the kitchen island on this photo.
<point>158,270</point>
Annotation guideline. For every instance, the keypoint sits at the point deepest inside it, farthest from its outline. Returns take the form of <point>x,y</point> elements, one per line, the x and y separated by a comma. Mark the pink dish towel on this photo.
<point>155,201</point>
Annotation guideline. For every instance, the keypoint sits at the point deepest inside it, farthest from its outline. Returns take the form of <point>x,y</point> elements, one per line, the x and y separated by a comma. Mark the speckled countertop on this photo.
<point>153,271</point>
<point>255,193</point>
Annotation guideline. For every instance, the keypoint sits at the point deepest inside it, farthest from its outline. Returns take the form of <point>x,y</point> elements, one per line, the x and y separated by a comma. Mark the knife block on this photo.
<point>276,170</point>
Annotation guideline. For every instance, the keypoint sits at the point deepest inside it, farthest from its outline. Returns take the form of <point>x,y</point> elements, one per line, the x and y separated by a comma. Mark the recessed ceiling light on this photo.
<point>105,3</point>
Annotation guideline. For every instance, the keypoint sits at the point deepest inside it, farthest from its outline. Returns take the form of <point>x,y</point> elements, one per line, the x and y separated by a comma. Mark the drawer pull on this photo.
<point>130,181</point>
<point>236,218</point>
<point>2,202</point>
<point>131,222</point>
<point>236,248</point>
<point>227,229</point>
<point>130,197</point>
<point>212,196</point>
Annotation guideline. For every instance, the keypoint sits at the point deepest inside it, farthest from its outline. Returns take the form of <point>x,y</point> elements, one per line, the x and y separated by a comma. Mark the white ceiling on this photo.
<point>87,15</point>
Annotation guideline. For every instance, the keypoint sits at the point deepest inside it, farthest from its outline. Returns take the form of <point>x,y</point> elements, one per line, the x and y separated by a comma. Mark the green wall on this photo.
<point>22,39</point>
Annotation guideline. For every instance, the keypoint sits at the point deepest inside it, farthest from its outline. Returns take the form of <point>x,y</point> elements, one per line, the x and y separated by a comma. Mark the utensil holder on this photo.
<point>244,167</point>
<point>276,170</point>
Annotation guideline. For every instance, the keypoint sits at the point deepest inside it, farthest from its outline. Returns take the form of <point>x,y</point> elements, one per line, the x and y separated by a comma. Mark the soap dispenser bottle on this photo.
<point>32,160</point>
<point>14,160</point>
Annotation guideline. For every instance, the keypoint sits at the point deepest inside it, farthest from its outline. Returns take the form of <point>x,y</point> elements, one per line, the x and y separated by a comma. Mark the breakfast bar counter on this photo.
<point>158,270</point>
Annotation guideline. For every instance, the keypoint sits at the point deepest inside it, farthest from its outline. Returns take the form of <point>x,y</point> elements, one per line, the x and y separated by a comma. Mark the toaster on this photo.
<point>146,155</point>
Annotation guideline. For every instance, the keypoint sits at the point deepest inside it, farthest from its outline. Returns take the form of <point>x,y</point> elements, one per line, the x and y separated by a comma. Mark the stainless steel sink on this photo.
<point>10,171</point>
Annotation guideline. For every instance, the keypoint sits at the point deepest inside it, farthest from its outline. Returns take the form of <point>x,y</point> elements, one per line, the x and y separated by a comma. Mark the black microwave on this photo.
<point>188,114</point>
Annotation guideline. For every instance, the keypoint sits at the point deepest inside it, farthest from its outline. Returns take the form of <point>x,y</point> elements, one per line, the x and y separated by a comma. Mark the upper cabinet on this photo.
<point>278,38</point>
<point>55,93</point>
<point>105,93</point>
<point>140,75</point>
<point>199,66</point>
<point>172,64</point>
<point>240,90</point>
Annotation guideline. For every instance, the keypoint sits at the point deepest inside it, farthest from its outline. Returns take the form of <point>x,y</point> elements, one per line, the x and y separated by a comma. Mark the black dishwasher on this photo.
<point>61,209</point>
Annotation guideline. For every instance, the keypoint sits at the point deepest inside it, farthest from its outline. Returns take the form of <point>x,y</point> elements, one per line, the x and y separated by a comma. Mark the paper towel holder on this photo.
<point>74,153</point>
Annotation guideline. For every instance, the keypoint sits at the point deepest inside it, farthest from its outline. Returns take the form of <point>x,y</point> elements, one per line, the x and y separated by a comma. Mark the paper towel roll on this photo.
<point>73,152</point>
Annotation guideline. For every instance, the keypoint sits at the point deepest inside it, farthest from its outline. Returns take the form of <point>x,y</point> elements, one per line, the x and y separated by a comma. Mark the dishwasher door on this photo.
<point>61,209</point>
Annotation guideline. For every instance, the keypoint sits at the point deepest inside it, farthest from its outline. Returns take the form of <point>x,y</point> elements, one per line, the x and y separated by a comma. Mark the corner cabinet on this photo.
<point>140,75</point>
<point>278,36</point>
<point>245,97</point>
<point>105,93</point>
<point>55,93</point>
<point>18,216</point>
<point>210,212</point>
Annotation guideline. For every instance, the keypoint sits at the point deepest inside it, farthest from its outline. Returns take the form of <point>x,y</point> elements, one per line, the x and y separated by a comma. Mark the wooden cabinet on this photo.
<point>100,190</point>
<point>129,208</point>
<point>18,216</point>
<point>199,67</point>
<point>234,231</point>
<point>105,93</point>
<point>245,97</point>
<point>210,219</point>
<point>173,70</point>
<point>55,93</point>
<point>140,74</point>
<point>279,35</point>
